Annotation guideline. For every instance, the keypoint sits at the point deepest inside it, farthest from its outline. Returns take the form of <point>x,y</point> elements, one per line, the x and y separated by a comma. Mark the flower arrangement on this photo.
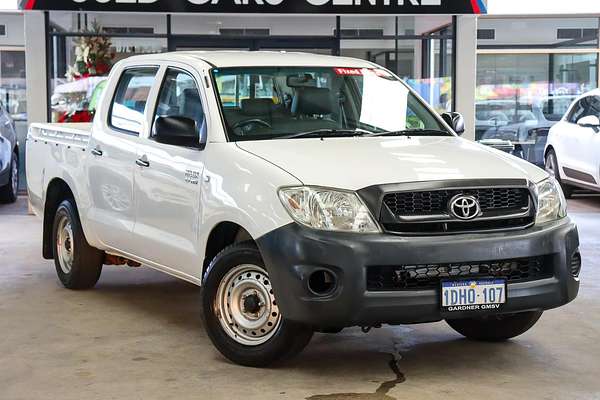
<point>93,55</point>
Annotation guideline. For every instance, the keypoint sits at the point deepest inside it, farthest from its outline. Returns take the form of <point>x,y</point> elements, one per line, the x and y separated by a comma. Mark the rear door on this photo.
<point>112,165</point>
<point>168,206</point>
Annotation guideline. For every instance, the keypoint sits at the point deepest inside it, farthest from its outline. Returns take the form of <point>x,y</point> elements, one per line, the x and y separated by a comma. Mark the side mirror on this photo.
<point>589,121</point>
<point>179,131</point>
<point>456,121</point>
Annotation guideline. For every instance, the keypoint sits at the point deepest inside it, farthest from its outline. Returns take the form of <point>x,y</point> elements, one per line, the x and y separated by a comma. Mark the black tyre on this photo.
<point>495,328</point>
<point>78,264</point>
<point>552,167</point>
<point>8,192</point>
<point>241,314</point>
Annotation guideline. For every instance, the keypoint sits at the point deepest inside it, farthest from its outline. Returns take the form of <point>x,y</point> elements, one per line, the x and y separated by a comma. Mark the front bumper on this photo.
<point>292,253</point>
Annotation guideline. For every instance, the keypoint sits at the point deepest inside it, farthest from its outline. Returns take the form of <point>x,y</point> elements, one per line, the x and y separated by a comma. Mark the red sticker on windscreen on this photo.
<point>348,71</point>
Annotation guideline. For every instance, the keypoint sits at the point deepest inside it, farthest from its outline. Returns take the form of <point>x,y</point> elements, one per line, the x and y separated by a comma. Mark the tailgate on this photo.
<point>73,134</point>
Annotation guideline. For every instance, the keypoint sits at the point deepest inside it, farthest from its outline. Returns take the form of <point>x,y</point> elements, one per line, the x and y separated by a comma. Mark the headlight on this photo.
<point>327,209</point>
<point>552,204</point>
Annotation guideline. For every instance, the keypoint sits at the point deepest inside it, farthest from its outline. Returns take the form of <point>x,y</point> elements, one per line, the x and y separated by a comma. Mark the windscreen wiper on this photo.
<point>329,132</point>
<point>412,132</point>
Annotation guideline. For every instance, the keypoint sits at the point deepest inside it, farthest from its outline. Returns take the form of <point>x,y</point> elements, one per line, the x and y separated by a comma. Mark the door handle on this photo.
<point>97,152</point>
<point>142,162</point>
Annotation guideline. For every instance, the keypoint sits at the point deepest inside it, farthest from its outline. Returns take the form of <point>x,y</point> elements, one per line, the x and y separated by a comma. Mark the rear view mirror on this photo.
<point>179,131</point>
<point>456,122</point>
<point>589,121</point>
<point>301,80</point>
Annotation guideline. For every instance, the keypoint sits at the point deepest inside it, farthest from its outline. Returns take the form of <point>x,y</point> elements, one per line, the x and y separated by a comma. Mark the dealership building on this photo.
<point>511,76</point>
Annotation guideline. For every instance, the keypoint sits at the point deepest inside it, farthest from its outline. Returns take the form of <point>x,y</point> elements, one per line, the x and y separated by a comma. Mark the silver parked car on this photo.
<point>9,158</point>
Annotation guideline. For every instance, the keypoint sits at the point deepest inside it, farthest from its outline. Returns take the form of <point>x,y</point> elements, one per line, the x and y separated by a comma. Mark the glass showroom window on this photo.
<point>418,49</point>
<point>524,89</point>
<point>85,47</point>
<point>12,83</point>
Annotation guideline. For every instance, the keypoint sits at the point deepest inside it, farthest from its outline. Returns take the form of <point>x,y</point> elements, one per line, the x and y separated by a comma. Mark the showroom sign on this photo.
<point>266,6</point>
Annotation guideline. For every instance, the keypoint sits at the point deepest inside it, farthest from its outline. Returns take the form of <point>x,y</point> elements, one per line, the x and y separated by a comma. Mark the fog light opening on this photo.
<point>322,282</point>
<point>576,264</point>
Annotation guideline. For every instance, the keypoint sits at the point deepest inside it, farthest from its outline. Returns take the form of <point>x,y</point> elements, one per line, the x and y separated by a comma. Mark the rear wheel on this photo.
<point>8,192</point>
<point>495,328</point>
<point>241,313</point>
<point>552,168</point>
<point>78,265</point>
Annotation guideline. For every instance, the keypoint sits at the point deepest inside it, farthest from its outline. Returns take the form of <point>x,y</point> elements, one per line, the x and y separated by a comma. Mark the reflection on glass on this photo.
<point>521,96</point>
<point>12,83</point>
<point>76,100</point>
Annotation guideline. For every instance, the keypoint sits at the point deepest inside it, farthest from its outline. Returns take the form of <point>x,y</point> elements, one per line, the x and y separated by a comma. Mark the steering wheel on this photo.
<point>246,123</point>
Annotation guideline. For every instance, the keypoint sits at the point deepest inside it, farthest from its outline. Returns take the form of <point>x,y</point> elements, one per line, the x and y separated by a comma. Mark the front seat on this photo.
<point>311,101</point>
<point>257,107</point>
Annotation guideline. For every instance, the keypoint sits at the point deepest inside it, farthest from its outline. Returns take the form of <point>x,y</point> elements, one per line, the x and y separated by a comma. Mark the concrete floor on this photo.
<point>138,335</point>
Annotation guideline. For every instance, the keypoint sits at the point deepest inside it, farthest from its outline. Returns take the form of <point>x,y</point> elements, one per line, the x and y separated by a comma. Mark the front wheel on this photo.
<point>552,167</point>
<point>495,328</point>
<point>241,314</point>
<point>8,192</point>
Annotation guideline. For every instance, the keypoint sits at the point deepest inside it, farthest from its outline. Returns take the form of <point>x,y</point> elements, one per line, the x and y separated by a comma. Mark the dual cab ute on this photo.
<point>303,193</point>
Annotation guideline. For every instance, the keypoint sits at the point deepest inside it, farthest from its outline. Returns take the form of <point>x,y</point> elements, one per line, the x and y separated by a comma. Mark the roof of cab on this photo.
<point>241,58</point>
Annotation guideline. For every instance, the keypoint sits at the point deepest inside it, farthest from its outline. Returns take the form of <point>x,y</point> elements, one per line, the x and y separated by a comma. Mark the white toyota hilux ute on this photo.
<point>304,194</point>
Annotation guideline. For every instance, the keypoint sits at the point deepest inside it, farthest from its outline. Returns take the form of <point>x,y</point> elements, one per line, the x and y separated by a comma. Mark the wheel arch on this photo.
<point>222,235</point>
<point>549,148</point>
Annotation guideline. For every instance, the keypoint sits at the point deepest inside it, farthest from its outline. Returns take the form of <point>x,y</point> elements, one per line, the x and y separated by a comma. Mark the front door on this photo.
<point>167,182</point>
<point>590,137</point>
<point>581,155</point>
<point>112,160</point>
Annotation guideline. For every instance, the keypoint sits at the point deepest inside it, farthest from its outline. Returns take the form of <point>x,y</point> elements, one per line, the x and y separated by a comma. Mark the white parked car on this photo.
<point>573,150</point>
<point>303,193</point>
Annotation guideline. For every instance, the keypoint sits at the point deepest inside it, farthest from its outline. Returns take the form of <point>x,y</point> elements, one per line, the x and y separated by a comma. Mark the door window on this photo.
<point>577,112</point>
<point>131,96</point>
<point>585,107</point>
<point>179,97</point>
<point>594,106</point>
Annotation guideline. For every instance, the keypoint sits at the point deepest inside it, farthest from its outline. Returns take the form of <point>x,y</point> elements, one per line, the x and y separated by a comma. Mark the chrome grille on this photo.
<point>426,212</point>
<point>436,201</point>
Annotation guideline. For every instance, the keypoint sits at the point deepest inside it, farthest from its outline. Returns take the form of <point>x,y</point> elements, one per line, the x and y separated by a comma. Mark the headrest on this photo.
<point>192,106</point>
<point>191,98</point>
<point>301,80</point>
<point>252,107</point>
<point>312,101</point>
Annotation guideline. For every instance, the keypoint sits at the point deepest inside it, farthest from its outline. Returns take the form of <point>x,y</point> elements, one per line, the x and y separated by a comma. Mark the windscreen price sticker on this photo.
<point>473,295</point>
<point>362,72</point>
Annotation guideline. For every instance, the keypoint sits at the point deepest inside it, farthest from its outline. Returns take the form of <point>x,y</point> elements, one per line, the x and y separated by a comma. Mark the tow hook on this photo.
<point>111,259</point>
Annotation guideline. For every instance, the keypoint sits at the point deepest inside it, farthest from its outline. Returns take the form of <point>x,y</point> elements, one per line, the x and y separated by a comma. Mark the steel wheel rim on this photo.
<point>236,290</point>
<point>15,177</point>
<point>65,245</point>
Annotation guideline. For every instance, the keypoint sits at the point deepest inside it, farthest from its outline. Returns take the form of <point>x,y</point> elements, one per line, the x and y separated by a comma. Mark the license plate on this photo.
<point>473,295</point>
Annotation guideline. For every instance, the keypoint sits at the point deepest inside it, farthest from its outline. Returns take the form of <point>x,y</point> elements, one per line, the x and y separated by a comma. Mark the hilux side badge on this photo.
<point>192,177</point>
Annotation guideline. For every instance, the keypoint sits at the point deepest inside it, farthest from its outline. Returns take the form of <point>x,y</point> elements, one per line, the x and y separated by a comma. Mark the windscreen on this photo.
<point>291,102</point>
